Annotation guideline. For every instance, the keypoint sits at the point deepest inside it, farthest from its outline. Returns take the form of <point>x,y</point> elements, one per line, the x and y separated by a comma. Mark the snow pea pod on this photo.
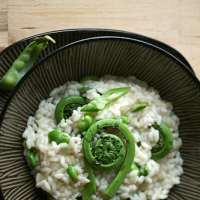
<point>24,62</point>
<point>92,159</point>
<point>165,143</point>
<point>104,100</point>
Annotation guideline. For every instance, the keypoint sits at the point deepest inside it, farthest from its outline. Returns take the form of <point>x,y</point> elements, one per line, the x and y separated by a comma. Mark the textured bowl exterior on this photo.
<point>64,37</point>
<point>101,56</point>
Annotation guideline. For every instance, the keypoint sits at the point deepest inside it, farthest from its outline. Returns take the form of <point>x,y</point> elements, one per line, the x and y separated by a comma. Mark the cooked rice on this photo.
<point>53,160</point>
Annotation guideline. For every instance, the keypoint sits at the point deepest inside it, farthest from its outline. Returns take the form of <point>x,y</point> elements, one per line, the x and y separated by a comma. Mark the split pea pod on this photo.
<point>24,62</point>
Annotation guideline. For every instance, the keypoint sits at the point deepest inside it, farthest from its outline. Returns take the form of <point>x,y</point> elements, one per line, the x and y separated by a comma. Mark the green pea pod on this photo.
<point>139,108</point>
<point>92,159</point>
<point>24,62</point>
<point>90,187</point>
<point>144,170</point>
<point>164,144</point>
<point>104,100</point>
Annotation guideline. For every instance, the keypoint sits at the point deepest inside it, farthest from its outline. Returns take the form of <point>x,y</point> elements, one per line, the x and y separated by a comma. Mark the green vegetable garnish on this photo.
<point>108,152</point>
<point>24,62</point>
<point>144,170</point>
<point>125,120</point>
<point>58,137</point>
<point>104,100</point>
<point>139,108</point>
<point>91,157</point>
<point>32,159</point>
<point>85,122</point>
<point>165,143</point>
<point>65,107</point>
<point>72,172</point>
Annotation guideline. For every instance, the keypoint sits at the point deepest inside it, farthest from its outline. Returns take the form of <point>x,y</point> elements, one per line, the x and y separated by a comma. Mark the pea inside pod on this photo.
<point>24,62</point>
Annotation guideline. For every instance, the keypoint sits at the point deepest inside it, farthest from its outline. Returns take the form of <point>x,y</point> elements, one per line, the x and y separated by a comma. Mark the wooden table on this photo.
<point>175,22</point>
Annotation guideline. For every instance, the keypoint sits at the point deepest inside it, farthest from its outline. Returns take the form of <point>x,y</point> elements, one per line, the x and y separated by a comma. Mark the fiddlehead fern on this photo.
<point>114,151</point>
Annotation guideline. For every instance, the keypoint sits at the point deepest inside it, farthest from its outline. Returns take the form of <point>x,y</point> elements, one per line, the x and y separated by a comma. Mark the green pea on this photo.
<point>24,143</point>
<point>25,57</point>
<point>125,120</point>
<point>85,122</point>
<point>58,137</point>
<point>72,172</point>
<point>139,108</point>
<point>144,170</point>
<point>32,159</point>
<point>19,65</point>
<point>89,77</point>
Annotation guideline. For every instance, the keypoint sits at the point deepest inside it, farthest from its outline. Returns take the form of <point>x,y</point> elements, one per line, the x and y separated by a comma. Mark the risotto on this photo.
<point>61,168</point>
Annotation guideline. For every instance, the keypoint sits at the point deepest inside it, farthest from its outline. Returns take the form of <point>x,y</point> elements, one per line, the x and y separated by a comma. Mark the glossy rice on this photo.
<point>52,160</point>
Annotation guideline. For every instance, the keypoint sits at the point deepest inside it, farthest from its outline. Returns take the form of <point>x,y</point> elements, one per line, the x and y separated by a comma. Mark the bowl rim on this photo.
<point>182,65</point>
<point>127,34</point>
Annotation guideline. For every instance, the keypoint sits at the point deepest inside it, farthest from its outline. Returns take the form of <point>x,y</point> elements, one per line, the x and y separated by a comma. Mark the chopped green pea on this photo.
<point>125,120</point>
<point>72,172</point>
<point>32,159</point>
<point>144,170</point>
<point>58,137</point>
<point>85,122</point>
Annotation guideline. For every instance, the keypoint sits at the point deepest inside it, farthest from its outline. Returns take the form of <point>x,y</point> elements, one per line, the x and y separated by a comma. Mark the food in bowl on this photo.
<point>84,126</point>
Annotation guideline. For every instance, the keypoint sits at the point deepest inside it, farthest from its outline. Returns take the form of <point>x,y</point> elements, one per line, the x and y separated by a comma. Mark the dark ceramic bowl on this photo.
<point>100,56</point>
